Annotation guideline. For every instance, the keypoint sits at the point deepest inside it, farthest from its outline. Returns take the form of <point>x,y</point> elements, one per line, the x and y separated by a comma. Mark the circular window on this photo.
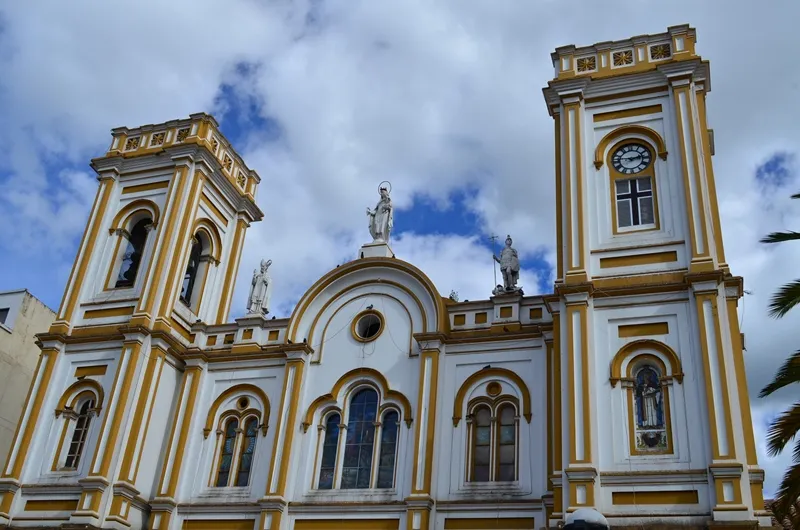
<point>494,388</point>
<point>242,403</point>
<point>367,326</point>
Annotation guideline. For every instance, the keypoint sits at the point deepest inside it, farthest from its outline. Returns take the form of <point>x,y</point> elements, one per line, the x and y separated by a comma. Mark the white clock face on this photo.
<point>631,158</point>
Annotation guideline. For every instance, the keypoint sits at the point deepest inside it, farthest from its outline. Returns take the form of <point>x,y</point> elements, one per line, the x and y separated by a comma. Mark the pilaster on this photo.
<point>572,149</point>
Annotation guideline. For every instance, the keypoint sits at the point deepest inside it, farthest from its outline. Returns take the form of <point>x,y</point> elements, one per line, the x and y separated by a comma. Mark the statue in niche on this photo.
<point>381,220</point>
<point>649,409</point>
<point>260,290</point>
<point>509,266</point>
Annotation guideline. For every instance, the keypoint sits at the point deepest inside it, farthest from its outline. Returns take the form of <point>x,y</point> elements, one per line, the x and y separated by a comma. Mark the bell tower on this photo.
<point>653,382</point>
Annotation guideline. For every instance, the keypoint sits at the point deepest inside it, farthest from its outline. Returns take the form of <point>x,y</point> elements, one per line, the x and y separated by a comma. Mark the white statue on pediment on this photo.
<point>260,290</point>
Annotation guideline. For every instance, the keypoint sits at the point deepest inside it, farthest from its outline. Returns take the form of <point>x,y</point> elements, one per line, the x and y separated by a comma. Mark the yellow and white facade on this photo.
<point>379,404</point>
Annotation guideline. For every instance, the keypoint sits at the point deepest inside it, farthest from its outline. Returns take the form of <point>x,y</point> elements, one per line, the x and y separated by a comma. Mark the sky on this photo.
<point>327,98</point>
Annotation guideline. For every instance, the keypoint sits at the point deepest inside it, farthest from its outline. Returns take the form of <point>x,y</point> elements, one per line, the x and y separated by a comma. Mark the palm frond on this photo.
<point>787,494</point>
<point>785,299</point>
<point>780,237</point>
<point>787,374</point>
<point>783,429</point>
<point>796,196</point>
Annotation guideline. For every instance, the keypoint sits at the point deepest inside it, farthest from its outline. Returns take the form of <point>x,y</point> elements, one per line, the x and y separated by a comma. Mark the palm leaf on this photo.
<point>785,299</point>
<point>786,375</point>
<point>783,429</point>
<point>787,494</point>
<point>780,237</point>
<point>796,196</point>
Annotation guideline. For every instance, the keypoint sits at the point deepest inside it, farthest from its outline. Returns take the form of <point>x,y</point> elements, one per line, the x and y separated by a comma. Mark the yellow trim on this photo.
<point>652,359</point>
<point>506,312</point>
<point>361,315</point>
<point>60,446</point>
<point>712,187</point>
<point>231,267</point>
<point>211,340</point>
<point>163,242</point>
<point>459,320</point>
<point>558,442</point>
<point>354,375</point>
<point>47,361</point>
<point>88,371</point>
<point>290,425</point>
<point>535,313</point>
<point>54,505</point>
<point>498,523</point>
<point>342,523</point>
<point>643,330</point>
<point>687,185</point>
<point>581,309</point>
<point>232,391</point>
<point>218,524</point>
<point>481,318</point>
<point>122,219</point>
<point>107,313</point>
<point>273,335</point>
<point>90,237</point>
<point>619,498</point>
<point>637,347</point>
<point>714,408</point>
<point>141,413</point>
<point>627,113</point>
<point>614,175</point>
<point>573,492</point>
<point>112,266</point>
<point>488,373</point>
<point>125,381</point>
<point>577,273</point>
<point>183,434</point>
<point>741,384</point>
<point>629,130</point>
<point>635,260</point>
<point>559,201</point>
<point>429,428</point>
<point>70,395</point>
<point>145,187</point>
<point>736,483</point>
<point>393,263</point>
<point>182,248</point>
<point>548,370</point>
<point>206,201</point>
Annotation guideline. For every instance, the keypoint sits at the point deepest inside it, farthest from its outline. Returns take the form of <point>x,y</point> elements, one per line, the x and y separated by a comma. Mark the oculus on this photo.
<point>367,326</point>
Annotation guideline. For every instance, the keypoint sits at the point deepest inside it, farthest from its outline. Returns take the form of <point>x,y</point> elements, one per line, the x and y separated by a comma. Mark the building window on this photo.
<point>134,244</point>
<point>3,315</point>
<point>494,436</point>
<point>369,456</point>
<point>634,202</point>
<point>192,268</point>
<point>246,456</point>
<point>650,429</point>
<point>79,434</point>
<point>226,455</point>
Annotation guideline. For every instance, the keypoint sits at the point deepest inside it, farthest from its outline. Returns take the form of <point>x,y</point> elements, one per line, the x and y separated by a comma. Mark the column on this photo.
<point>125,486</point>
<point>554,435</point>
<point>573,177</point>
<point>420,502</point>
<point>725,468</point>
<point>274,501</point>
<point>232,267</point>
<point>164,502</point>
<point>580,472</point>
<point>23,438</point>
<point>97,480</point>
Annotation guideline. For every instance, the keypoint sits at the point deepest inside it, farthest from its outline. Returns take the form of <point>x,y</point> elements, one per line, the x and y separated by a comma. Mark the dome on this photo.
<point>588,515</point>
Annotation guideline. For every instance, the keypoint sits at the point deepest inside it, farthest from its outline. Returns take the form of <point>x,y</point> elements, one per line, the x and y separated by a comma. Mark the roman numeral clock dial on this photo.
<point>631,158</point>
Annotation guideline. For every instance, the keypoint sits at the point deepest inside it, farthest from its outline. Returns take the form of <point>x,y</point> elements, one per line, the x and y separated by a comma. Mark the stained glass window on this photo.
<point>388,453</point>
<point>248,448</point>
<point>482,448</point>
<point>507,445</point>
<point>226,455</point>
<point>192,267</point>
<point>360,439</point>
<point>329,449</point>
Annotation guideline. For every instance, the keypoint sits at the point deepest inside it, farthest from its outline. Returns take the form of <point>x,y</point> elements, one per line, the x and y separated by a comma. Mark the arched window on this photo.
<point>133,244</point>
<point>246,456</point>
<point>329,447</point>
<point>226,455</point>
<point>192,268</point>
<point>649,411</point>
<point>360,440</point>
<point>390,425</point>
<point>633,186</point>
<point>369,456</point>
<point>493,438</point>
<point>79,434</point>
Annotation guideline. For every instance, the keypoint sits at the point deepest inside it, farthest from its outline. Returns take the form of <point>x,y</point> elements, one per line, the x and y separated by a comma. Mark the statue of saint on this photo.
<point>509,266</point>
<point>260,290</point>
<point>381,220</point>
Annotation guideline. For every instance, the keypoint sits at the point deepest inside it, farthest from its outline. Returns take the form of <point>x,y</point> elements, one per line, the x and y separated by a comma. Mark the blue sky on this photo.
<point>325,99</point>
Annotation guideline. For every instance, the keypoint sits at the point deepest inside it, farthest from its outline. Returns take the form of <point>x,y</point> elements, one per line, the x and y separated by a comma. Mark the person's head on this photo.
<point>508,241</point>
<point>384,193</point>
<point>265,265</point>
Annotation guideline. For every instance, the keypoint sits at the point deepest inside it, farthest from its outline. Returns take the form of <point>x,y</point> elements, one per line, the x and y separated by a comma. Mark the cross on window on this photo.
<point>634,202</point>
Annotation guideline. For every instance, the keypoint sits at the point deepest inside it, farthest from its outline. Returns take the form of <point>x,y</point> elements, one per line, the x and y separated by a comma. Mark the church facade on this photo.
<point>379,403</point>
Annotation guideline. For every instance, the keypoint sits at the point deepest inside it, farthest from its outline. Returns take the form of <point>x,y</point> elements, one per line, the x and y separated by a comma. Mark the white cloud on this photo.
<point>434,96</point>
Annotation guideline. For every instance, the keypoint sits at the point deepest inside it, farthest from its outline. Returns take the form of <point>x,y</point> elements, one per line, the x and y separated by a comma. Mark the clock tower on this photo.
<point>650,407</point>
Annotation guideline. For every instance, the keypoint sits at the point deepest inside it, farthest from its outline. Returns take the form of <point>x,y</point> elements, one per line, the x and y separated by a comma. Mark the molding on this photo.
<point>488,373</point>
